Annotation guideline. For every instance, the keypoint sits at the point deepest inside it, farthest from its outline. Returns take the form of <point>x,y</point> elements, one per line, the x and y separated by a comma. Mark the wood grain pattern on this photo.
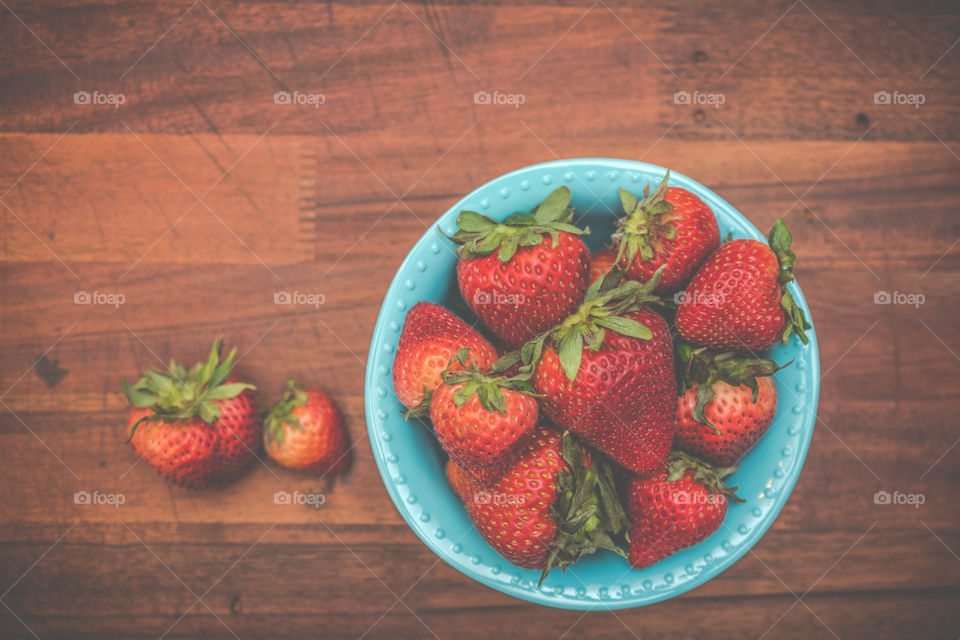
<point>199,198</point>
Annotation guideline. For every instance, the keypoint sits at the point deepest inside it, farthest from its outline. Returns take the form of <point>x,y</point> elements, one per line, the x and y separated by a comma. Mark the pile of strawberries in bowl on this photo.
<point>600,401</point>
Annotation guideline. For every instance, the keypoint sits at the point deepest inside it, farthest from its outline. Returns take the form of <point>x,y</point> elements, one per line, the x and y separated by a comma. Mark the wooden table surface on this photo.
<point>183,187</point>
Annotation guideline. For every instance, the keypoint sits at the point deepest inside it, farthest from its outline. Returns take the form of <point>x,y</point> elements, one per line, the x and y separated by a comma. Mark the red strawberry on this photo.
<point>739,300</point>
<point>304,431</point>
<point>482,421</point>
<point>431,337</point>
<point>526,274</point>
<point>601,263</point>
<point>740,421</point>
<point>670,227</point>
<point>727,403</point>
<point>606,374</point>
<point>675,509</point>
<point>550,508</point>
<point>195,427</point>
<point>460,481</point>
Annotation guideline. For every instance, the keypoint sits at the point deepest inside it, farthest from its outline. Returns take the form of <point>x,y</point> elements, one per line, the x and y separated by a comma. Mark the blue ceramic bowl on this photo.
<point>411,462</point>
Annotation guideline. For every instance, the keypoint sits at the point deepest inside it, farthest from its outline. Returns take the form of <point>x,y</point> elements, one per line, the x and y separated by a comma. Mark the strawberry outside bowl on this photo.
<point>412,463</point>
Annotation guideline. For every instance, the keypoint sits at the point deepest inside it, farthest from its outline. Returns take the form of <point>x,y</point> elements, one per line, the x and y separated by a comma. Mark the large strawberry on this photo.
<point>431,337</point>
<point>196,427</point>
<point>525,274</point>
<point>727,403</point>
<point>606,373</point>
<point>482,420</point>
<point>304,431</point>
<point>738,299</point>
<point>675,508</point>
<point>670,227</point>
<point>552,506</point>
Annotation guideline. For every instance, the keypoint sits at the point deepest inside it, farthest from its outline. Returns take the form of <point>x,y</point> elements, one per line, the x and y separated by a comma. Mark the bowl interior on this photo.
<point>411,462</point>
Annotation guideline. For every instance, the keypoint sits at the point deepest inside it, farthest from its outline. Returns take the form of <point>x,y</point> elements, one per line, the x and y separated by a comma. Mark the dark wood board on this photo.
<point>199,197</point>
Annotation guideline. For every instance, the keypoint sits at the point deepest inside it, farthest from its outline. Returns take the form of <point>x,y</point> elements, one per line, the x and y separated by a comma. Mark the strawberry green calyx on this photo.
<point>421,410</point>
<point>678,463</point>
<point>780,240</point>
<point>481,235</point>
<point>180,394</point>
<point>488,388</point>
<point>588,511</point>
<point>701,367</point>
<point>282,412</point>
<point>647,223</point>
<point>606,303</point>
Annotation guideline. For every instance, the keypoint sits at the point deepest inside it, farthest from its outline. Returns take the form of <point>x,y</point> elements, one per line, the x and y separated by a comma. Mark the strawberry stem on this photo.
<point>701,368</point>
<point>712,477</point>
<point>179,394</point>
<point>282,412</point>
<point>487,388</point>
<point>646,224</point>
<point>588,511</point>
<point>604,308</point>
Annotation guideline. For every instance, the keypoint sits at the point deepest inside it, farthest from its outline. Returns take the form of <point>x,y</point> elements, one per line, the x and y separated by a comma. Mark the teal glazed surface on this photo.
<point>411,462</point>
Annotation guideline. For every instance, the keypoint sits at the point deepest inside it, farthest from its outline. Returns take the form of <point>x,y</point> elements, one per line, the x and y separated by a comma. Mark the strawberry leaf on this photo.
<point>626,326</point>
<point>570,352</point>
<point>705,394</point>
<point>227,391</point>
<point>554,206</point>
<point>628,201</point>
<point>209,412</point>
<point>472,221</point>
